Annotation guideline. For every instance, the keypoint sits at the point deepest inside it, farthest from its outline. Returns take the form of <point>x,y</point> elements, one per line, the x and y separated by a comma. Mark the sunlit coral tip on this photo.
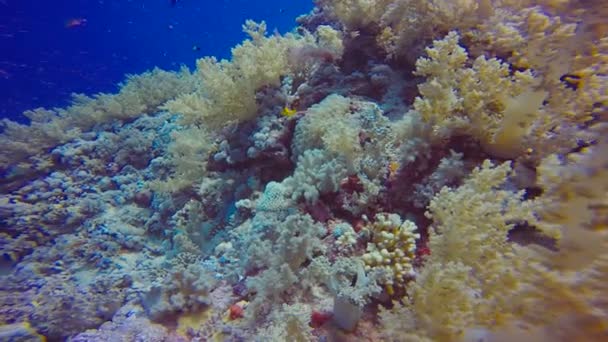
<point>389,289</point>
<point>393,166</point>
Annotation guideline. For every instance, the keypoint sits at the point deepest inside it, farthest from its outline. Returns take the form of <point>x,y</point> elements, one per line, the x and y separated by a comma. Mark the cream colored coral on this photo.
<point>520,114</point>
<point>441,302</point>
<point>331,39</point>
<point>484,100</point>
<point>138,95</point>
<point>348,237</point>
<point>480,280</point>
<point>570,282</point>
<point>472,273</point>
<point>407,23</point>
<point>571,42</point>
<point>226,93</point>
<point>392,248</point>
<point>356,14</point>
<point>187,153</point>
<point>574,203</point>
<point>328,124</point>
<point>477,212</point>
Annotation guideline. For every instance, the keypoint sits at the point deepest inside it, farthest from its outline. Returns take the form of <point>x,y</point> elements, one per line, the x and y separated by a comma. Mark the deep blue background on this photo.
<point>42,61</point>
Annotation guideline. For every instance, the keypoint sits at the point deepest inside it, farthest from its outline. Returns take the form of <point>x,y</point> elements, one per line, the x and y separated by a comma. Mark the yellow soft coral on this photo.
<point>227,89</point>
<point>555,46</point>
<point>471,224</point>
<point>472,273</point>
<point>331,40</point>
<point>392,248</point>
<point>356,14</point>
<point>138,95</point>
<point>565,296</point>
<point>408,23</point>
<point>488,286</point>
<point>329,124</point>
<point>484,100</point>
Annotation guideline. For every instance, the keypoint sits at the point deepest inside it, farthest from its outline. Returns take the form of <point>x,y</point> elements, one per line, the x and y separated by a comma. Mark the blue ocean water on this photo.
<point>51,49</point>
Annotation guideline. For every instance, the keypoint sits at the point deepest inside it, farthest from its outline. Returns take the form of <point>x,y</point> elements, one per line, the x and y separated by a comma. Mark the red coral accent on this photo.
<point>358,225</point>
<point>422,251</point>
<point>318,318</point>
<point>236,311</point>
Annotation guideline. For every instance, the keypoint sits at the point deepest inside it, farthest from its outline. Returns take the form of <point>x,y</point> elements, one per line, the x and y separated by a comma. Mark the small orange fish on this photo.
<point>75,22</point>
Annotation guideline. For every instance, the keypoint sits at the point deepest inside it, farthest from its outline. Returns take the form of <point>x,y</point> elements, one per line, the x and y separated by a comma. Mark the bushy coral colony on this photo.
<point>392,170</point>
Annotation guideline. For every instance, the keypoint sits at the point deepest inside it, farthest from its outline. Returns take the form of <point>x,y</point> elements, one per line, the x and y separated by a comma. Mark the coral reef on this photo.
<point>395,170</point>
<point>393,249</point>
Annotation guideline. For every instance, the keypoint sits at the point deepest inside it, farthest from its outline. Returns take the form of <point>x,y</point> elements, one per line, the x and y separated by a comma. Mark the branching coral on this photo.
<point>187,154</point>
<point>472,270</point>
<point>570,282</point>
<point>227,89</point>
<point>314,128</point>
<point>185,288</point>
<point>449,171</point>
<point>140,94</point>
<point>407,25</point>
<point>281,248</point>
<point>356,131</point>
<point>557,47</point>
<point>292,241</point>
<point>555,39</point>
<point>496,283</point>
<point>290,322</point>
<point>330,39</point>
<point>458,228</point>
<point>484,100</point>
<point>317,173</point>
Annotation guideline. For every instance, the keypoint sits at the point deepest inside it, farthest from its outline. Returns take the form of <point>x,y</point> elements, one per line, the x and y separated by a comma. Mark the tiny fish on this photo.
<point>573,81</point>
<point>288,112</point>
<point>75,22</point>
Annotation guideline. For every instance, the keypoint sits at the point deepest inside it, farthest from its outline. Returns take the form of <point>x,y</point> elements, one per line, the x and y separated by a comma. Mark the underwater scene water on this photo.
<point>327,170</point>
